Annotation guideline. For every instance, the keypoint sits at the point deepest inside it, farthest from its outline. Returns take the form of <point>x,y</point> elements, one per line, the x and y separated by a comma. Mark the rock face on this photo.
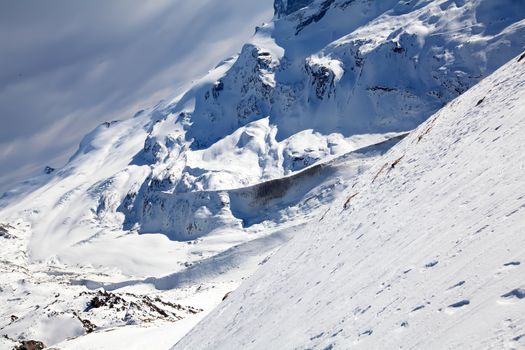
<point>4,231</point>
<point>31,345</point>
<point>285,7</point>
<point>48,170</point>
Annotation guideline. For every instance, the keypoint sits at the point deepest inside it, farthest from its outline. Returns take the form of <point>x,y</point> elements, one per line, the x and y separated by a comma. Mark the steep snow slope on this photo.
<point>425,251</point>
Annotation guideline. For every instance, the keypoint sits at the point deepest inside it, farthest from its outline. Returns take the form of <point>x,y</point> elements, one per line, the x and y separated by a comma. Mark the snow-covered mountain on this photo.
<point>425,251</point>
<point>170,210</point>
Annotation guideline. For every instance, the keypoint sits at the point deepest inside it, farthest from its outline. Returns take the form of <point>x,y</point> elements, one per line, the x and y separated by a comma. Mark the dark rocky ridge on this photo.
<point>285,7</point>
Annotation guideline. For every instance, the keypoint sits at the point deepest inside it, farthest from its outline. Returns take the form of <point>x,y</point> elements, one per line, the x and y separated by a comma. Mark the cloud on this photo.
<point>66,66</point>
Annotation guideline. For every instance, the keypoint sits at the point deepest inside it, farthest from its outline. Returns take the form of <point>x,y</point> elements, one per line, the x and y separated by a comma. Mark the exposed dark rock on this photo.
<point>480,101</point>
<point>285,7</point>
<point>107,299</point>
<point>226,296</point>
<point>4,231</point>
<point>315,17</point>
<point>30,345</point>
<point>431,264</point>
<point>217,88</point>
<point>398,49</point>
<point>88,326</point>
<point>323,80</point>
<point>108,124</point>
<point>48,170</point>
<point>153,150</point>
<point>381,88</point>
<point>131,308</point>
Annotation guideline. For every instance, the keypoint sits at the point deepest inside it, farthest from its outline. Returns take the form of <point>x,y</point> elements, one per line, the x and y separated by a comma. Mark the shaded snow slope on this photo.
<point>425,251</point>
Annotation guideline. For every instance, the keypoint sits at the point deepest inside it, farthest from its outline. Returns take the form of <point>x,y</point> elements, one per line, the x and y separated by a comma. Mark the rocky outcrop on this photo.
<point>48,170</point>
<point>323,76</point>
<point>30,345</point>
<point>285,7</point>
<point>4,231</point>
<point>243,95</point>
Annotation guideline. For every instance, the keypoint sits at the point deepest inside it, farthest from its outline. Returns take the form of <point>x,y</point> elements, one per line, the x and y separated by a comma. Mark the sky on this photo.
<point>68,65</point>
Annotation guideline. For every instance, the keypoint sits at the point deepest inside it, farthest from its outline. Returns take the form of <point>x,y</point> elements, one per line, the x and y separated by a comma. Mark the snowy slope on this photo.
<point>130,307</point>
<point>188,198</point>
<point>312,85</point>
<point>428,254</point>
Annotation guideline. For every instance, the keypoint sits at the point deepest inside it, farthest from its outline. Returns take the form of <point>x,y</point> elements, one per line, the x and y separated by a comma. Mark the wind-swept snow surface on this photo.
<point>427,250</point>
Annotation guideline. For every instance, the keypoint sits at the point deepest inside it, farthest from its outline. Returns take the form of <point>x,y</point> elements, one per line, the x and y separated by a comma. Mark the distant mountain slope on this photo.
<point>425,251</point>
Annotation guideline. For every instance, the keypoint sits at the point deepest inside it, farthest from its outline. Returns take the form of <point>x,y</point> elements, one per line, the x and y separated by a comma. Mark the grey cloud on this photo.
<point>66,66</point>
